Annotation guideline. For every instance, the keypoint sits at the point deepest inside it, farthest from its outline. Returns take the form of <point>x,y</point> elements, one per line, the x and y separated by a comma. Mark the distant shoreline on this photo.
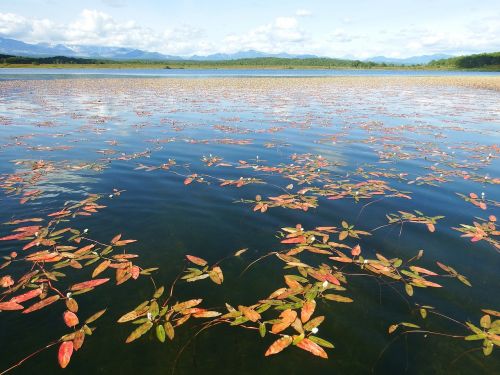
<point>124,66</point>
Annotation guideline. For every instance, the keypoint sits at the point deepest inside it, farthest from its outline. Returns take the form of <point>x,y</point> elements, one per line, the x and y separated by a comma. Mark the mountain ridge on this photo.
<point>16,47</point>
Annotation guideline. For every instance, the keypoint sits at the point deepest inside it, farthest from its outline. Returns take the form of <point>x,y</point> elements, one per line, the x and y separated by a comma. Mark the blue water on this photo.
<point>95,133</point>
<point>41,73</point>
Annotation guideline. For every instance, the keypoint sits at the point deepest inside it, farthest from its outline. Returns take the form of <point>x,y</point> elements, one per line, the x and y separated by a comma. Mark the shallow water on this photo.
<point>417,135</point>
<point>60,73</point>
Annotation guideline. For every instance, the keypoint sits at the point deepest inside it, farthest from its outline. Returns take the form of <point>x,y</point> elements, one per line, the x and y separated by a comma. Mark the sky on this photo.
<point>333,28</point>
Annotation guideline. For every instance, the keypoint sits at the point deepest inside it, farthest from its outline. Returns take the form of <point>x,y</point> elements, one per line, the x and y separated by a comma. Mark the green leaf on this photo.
<point>321,341</point>
<point>409,289</point>
<point>158,292</point>
<point>487,347</point>
<point>154,309</point>
<point>262,329</point>
<point>464,280</point>
<point>94,317</point>
<point>485,321</point>
<point>139,331</point>
<point>475,337</point>
<point>313,323</point>
<point>337,298</point>
<point>160,333</point>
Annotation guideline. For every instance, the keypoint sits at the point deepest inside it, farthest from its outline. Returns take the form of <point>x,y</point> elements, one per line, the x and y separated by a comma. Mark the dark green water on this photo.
<point>413,131</point>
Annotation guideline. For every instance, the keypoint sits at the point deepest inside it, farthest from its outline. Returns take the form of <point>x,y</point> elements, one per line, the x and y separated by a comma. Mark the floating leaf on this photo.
<point>43,303</point>
<point>249,313</point>
<point>70,319</point>
<point>95,316</point>
<point>216,275</point>
<point>321,341</point>
<point>65,353</point>
<point>72,305</point>
<point>186,305</point>
<point>78,339</point>
<point>101,268</point>
<point>88,284</point>
<point>240,252</point>
<point>279,345</point>
<point>307,310</point>
<point>312,347</point>
<point>287,317</point>
<point>337,298</point>
<point>9,306</point>
<point>356,250</point>
<point>313,323</point>
<point>198,261</point>
<point>262,329</point>
<point>160,333</point>
<point>169,330</point>
<point>392,328</point>
<point>26,296</point>
<point>139,331</point>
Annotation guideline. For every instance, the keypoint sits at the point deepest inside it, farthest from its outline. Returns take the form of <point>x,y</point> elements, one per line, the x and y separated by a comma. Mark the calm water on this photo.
<point>41,73</point>
<point>95,133</point>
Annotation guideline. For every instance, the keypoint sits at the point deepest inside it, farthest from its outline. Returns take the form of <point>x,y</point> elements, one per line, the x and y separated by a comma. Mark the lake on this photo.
<point>44,73</point>
<point>208,167</point>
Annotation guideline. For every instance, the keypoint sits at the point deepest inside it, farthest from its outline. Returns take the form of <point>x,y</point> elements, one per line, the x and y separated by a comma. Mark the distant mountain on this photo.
<point>424,59</point>
<point>18,48</point>
<point>251,54</point>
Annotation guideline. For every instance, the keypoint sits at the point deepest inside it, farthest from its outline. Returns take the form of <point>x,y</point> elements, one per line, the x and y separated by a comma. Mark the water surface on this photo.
<point>418,135</point>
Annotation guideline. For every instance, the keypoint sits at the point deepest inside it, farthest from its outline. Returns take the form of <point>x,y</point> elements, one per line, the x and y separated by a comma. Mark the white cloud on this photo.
<point>115,3</point>
<point>286,23</point>
<point>342,36</point>
<point>283,34</point>
<point>303,13</point>
<point>12,25</point>
<point>93,27</point>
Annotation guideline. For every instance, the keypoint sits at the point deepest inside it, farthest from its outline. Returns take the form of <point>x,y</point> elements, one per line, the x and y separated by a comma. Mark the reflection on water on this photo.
<point>145,136</point>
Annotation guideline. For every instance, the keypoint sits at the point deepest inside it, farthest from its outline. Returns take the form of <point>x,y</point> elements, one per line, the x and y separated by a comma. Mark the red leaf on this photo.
<point>11,305</point>
<point>312,347</point>
<point>249,313</point>
<point>6,281</point>
<point>356,250</point>
<point>65,352</point>
<point>123,242</point>
<point>89,284</point>
<point>279,345</point>
<point>287,318</point>
<point>307,310</point>
<point>198,261</point>
<point>26,296</point>
<point>41,304</point>
<point>116,238</point>
<point>299,239</point>
<point>70,319</point>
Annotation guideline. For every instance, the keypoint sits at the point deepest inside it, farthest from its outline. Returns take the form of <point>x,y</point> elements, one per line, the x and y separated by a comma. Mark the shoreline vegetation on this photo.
<point>478,62</point>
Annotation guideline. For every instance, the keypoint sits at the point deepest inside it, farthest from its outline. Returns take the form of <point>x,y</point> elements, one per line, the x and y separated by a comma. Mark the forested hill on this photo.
<point>478,61</point>
<point>484,61</point>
